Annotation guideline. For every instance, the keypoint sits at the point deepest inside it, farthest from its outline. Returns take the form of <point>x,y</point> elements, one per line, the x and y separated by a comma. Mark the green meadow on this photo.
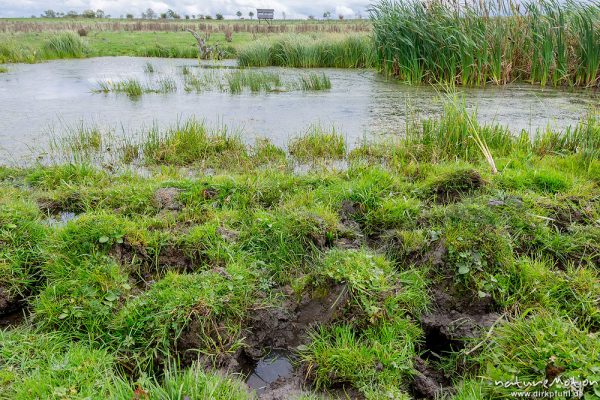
<point>454,260</point>
<point>159,284</point>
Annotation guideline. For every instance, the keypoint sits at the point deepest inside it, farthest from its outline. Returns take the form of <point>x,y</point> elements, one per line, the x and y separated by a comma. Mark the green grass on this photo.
<point>545,42</point>
<point>65,45</point>
<point>315,82</point>
<point>163,276</point>
<point>190,142</point>
<point>375,361</point>
<point>354,51</point>
<point>3,69</point>
<point>318,144</point>
<point>526,346</point>
<point>255,81</point>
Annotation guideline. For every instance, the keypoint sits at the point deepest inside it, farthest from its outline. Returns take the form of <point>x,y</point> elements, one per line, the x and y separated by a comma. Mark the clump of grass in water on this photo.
<point>131,87</point>
<point>149,68</point>
<point>80,142</point>
<point>166,85</point>
<point>65,45</point>
<point>317,143</point>
<point>3,69</point>
<point>314,81</point>
<point>185,70</point>
<point>188,143</point>
<point>256,81</point>
<point>207,80</point>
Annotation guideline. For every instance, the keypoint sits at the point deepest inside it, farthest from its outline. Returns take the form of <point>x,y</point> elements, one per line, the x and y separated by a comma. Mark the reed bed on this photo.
<point>256,81</point>
<point>65,45</point>
<point>315,82</point>
<point>457,135</point>
<point>134,88</point>
<point>354,51</point>
<point>543,41</point>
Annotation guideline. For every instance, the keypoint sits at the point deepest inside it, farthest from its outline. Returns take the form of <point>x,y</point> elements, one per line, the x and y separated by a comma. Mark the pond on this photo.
<point>40,101</point>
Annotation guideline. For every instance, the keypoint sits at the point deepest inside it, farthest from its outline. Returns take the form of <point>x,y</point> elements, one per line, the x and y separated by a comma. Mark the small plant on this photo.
<point>149,68</point>
<point>315,82</point>
<point>65,45</point>
<point>317,143</point>
<point>166,85</point>
<point>256,81</point>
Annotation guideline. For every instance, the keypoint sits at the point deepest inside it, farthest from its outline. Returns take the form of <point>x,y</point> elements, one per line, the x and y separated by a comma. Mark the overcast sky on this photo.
<point>291,8</point>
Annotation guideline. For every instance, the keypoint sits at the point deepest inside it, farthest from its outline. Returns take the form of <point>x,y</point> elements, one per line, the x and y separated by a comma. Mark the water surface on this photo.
<point>41,100</point>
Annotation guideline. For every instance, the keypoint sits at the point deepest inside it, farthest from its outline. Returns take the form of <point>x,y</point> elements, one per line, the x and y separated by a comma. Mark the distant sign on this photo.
<point>265,13</point>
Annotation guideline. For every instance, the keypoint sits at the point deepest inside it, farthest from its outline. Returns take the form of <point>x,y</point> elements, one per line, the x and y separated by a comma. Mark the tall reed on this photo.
<point>65,45</point>
<point>355,51</point>
<point>541,41</point>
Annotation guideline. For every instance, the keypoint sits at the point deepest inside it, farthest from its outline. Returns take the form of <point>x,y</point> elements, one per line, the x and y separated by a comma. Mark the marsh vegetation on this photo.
<point>159,279</point>
<point>172,262</point>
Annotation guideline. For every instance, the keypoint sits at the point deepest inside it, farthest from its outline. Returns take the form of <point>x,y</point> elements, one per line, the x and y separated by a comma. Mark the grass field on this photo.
<point>412,269</point>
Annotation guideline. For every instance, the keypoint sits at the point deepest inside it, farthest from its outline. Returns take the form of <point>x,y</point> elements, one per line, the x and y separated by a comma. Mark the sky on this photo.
<point>116,8</point>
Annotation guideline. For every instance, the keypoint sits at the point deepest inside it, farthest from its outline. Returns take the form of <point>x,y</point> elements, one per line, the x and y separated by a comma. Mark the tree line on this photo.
<point>151,14</point>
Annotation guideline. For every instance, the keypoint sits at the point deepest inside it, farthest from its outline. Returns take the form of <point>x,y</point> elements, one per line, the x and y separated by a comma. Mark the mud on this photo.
<point>150,265</point>
<point>427,382</point>
<point>52,207</point>
<point>167,199</point>
<point>13,318</point>
<point>453,187</point>
<point>9,303</point>
<point>285,328</point>
<point>454,320</point>
<point>273,377</point>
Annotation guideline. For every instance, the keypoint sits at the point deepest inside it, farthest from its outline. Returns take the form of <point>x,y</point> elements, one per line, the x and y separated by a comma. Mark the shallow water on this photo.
<point>269,369</point>
<point>41,100</point>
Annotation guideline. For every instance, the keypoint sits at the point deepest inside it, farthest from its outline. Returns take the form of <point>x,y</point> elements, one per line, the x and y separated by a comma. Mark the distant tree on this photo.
<point>283,14</point>
<point>129,16</point>
<point>193,16</point>
<point>163,15</point>
<point>100,13</point>
<point>72,14</point>
<point>340,17</point>
<point>33,16</point>
<point>200,16</point>
<point>172,14</point>
<point>327,14</point>
<point>219,16</point>
<point>49,14</point>
<point>88,14</point>
<point>311,17</point>
<point>208,17</point>
<point>239,14</point>
<point>187,16</point>
<point>149,14</point>
<point>251,14</point>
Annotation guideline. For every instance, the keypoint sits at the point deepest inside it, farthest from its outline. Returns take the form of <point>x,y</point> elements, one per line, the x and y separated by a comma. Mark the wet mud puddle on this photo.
<point>275,366</point>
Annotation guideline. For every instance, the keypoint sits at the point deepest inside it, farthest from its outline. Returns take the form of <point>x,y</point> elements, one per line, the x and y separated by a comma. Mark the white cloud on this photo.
<point>292,8</point>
